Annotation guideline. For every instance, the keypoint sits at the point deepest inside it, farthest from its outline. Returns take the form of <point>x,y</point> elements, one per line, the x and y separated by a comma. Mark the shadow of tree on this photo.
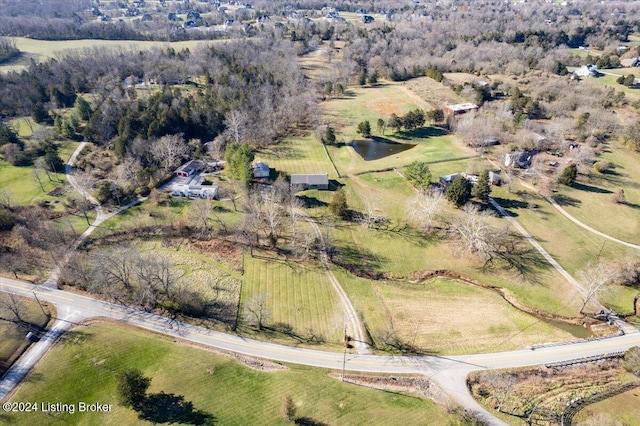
<point>308,421</point>
<point>421,133</point>
<point>170,408</point>
<point>311,202</point>
<point>565,200</point>
<point>352,257</point>
<point>590,188</point>
<point>509,205</point>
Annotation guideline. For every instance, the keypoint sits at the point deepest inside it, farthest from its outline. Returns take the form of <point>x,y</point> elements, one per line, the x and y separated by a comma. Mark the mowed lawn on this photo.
<point>298,295</point>
<point>591,200</point>
<point>300,155</point>
<point>84,367</point>
<point>623,408</point>
<point>23,185</point>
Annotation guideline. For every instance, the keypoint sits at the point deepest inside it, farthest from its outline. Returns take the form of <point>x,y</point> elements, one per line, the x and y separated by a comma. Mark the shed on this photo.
<point>495,179</point>
<point>309,181</point>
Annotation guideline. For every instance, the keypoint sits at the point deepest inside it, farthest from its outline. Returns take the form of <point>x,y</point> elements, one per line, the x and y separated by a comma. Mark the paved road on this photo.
<point>447,372</point>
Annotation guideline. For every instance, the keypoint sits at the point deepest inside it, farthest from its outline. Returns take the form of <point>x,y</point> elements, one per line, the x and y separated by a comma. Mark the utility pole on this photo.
<point>39,304</point>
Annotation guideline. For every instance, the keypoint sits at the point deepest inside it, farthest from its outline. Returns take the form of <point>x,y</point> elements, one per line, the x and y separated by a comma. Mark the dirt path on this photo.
<point>101,216</point>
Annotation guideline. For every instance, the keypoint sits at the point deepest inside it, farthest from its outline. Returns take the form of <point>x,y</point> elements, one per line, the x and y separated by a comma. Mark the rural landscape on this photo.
<point>386,212</point>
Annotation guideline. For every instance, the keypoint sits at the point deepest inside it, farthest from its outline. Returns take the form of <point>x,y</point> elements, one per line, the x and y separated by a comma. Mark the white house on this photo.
<point>587,71</point>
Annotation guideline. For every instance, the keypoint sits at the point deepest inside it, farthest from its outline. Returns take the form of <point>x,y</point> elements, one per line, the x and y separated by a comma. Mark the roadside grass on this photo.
<point>623,408</point>
<point>13,341</point>
<point>42,50</point>
<point>300,301</point>
<point>84,366</point>
<point>452,317</point>
<point>591,199</point>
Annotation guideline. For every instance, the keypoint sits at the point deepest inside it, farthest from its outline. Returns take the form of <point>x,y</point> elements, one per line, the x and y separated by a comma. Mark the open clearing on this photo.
<point>41,50</point>
<point>446,316</point>
<point>590,200</point>
<point>84,367</point>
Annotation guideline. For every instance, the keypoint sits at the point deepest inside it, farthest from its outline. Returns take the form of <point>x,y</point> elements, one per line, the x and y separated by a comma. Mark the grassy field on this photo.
<point>571,245</point>
<point>23,185</point>
<point>41,50</point>
<point>592,199</point>
<point>449,316</point>
<point>13,340</point>
<point>624,408</point>
<point>437,94</point>
<point>299,297</point>
<point>84,366</point>
<point>431,144</point>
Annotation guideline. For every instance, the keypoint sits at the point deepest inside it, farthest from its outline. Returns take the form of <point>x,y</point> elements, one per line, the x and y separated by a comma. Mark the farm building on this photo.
<point>495,179</point>
<point>319,181</point>
<point>457,109</point>
<point>261,170</point>
<point>188,169</point>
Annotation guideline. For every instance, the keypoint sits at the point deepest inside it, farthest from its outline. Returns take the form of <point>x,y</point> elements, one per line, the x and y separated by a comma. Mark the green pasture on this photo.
<point>84,365</point>
<point>571,245</point>
<point>403,252</point>
<point>591,199</point>
<point>23,185</point>
<point>299,155</point>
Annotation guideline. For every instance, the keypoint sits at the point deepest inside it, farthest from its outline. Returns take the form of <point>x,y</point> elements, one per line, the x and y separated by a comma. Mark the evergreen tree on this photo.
<point>481,190</point>
<point>568,175</point>
<point>329,137</point>
<point>418,174</point>
<point>238,159</point>
<point>83,108</point>
<point>338,205</point>
<point>364,128</point>
<point>459,192</point>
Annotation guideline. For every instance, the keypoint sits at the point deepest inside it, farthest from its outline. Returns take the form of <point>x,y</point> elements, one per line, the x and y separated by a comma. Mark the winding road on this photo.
<point>448,372</point>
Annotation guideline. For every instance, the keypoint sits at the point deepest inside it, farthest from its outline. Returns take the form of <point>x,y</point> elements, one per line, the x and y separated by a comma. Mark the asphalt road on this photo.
<point>447,372</point>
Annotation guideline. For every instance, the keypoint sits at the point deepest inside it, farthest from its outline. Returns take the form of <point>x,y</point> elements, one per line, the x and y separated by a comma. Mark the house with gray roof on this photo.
<point>310,181</point>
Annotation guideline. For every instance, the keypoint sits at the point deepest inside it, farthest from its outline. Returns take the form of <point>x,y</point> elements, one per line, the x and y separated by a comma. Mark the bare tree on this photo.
<point>424,209</point>
<point>236,122</point>
<point>371,214</point>
<point>258,312</point>
<point>595,279</point>
<point>14,305</point>
<point>168,151</point>
<point>199,212</point>
<point>501,385</point>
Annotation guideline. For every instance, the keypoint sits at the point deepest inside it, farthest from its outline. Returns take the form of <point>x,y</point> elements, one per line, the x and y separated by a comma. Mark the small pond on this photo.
<point>376,149</point>
<point>576,330</point>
